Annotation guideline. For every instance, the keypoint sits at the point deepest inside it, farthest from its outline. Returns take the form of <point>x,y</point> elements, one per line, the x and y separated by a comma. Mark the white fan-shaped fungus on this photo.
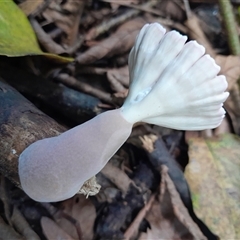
<point>173,84</point>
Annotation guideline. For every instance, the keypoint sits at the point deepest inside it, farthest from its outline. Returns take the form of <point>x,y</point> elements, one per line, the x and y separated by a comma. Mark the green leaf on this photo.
<point>213,174</point>
<point>17,37</point>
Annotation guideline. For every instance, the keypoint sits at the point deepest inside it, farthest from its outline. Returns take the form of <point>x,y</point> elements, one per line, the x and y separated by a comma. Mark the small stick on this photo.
<point>187,9</point>
<point>76,84</point>
<point>107,25</point>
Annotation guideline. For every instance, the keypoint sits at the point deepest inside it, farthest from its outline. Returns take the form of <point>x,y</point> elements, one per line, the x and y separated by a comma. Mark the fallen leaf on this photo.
<point>66,16</point>
<point>117,177</point>
<point>45,40</point>
<point>118,43</point>
<point>213,174</point>
<point>230,67</point>
<point>83,211</point>
<point>195,32</point>
<point>68,226</point>
<point>168,217</point>
<point>29,6</point>
<point>17,37</point>
<point>52,231</point>
<point>115,4</point>
<point>173,10</point>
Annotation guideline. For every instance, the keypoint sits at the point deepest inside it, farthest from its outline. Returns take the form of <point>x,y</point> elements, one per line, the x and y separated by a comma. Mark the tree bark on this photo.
<point>21,124</point>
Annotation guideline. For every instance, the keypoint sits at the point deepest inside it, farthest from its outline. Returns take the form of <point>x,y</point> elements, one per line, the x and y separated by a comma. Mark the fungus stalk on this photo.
<point>172,84</point>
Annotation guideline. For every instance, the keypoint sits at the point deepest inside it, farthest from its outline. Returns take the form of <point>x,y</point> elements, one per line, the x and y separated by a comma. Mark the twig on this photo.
<point>142,8</point>
<point>115,84</point>
<point>230,25</point>
<point>41,8</point>
<point>84,87</point>
<point>187,9</point>
<point>107,25</point>
<point>91,70</point>
<point>56,32</point>
<point>121,41</point>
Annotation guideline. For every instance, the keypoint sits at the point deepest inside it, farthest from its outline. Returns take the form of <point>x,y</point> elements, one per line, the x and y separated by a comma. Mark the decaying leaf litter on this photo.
<point>144,194</point>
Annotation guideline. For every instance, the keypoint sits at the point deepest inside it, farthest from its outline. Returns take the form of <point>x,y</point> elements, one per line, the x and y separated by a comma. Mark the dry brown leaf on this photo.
<point>168,217</point>
<point>195,32</point>
<point>118,43</point>
<point>173,10</point>
<point>117,176</point>
<point>52,231</point>
<point>67,17</point>
<point>29,6</point>
<point>110,23</point>
<point>116,4</point>
<point>45,40</point>
<point>83,211</point>
<point>67,225</point>
<point>230,67</point>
